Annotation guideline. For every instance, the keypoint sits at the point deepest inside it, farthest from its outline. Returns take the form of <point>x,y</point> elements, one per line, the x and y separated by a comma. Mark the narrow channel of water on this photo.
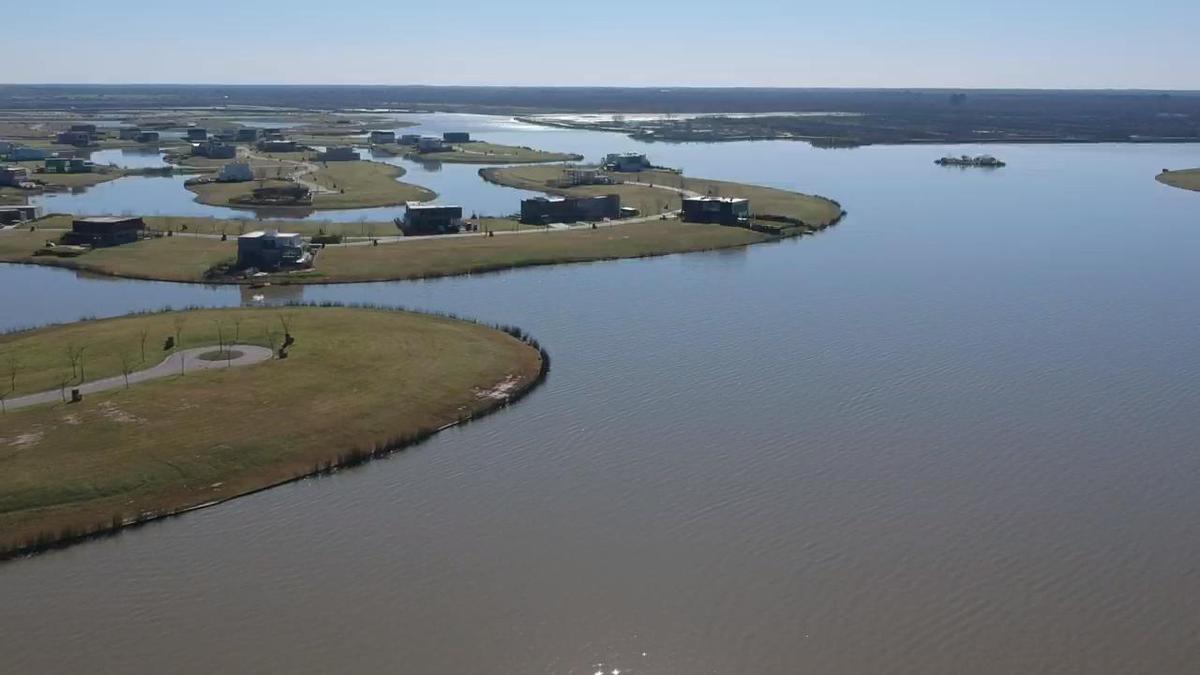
<point>956,433</point>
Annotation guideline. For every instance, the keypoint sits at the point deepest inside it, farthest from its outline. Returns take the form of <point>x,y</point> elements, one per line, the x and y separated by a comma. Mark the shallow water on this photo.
<point>956,433</point>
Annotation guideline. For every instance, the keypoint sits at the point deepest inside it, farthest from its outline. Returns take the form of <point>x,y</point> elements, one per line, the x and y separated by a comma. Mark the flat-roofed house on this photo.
<point>269,249</point>
<point>76,138</point>
<point>197,134</point>
<point>544,210</point>
<point>12,215</point>
<point>101,231</point>
<point>13,175</point>
<point>342,153</point>
<point>235,172</point>
<point>719,210</point>
<point>383,137</point>
<point>425,219</point>
<point>456,137</point>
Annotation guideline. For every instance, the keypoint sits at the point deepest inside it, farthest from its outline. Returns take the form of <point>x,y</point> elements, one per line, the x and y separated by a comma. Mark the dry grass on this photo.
<point>1184,179</point>
<point>353,185</point>
<point>355,378</point>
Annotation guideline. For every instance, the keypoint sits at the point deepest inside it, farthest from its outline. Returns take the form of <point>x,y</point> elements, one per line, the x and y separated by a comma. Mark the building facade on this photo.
<point>718,210</point>
<point>272,250</point>
<point>545,210</point>
<point>425,219</point>
<point>102,231</point>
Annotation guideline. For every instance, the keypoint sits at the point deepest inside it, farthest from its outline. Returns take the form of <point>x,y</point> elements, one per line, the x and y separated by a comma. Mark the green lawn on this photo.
<point>168,444</point>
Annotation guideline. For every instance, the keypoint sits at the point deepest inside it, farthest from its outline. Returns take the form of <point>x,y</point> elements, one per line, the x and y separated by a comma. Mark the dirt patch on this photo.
<point>503,390</point>
<point>114,414</point>
<point>26,441</point>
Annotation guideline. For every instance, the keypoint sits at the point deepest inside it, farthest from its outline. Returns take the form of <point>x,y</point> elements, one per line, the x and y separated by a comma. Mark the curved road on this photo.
<point>251,354</point>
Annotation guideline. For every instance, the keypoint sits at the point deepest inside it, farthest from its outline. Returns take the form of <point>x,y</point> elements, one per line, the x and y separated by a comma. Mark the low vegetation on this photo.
<point>336,185</point>
<point>479,152</point>
<point>1185,179</point>
<point>158,447</point>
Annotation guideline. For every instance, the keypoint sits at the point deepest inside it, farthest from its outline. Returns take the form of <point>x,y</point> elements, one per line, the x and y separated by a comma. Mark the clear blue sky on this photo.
<point>839,43</point>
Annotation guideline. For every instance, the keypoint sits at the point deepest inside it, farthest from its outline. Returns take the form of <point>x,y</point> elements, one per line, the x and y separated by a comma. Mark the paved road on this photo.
<point>251,354</point>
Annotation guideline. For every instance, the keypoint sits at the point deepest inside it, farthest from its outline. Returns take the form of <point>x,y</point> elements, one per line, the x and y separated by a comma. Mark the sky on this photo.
<point>779,43</point>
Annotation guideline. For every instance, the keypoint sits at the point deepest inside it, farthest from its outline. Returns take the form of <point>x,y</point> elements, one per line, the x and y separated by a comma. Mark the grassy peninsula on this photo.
<point>162,446</point>
<point>1184,179</point>
<point>480,152</point>
<point>334,185</point>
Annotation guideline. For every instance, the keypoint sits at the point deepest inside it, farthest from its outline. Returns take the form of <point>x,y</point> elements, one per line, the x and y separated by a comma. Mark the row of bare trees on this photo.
<point>76,354</point>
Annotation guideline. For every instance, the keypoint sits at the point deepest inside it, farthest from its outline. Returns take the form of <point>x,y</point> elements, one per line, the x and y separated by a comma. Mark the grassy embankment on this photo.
<point>349,185</point>
<point>357,382</point>
<point>638,192</point>
<point>62,181</point>
<point>188,258</point>
<point>480,152</point>
<point>1184,179</point>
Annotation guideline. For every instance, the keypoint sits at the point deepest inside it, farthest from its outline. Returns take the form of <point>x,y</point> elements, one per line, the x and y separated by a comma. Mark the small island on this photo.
<point>432,149</point>
<point>981,161</point>
<point>180,410</point>
<point>1184,179</point>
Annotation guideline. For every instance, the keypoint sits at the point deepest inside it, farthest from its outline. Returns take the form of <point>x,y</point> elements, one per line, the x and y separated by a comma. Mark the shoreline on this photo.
<point>338,460</point>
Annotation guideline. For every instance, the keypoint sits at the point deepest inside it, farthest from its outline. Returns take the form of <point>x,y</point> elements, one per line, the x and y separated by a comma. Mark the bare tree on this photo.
<point>237,329</point>
<point>62,386</point>
<point>14,364</point>
<point>73,356</point>
<point>81,377</point>
<point>178,321</point>
<point>271,338</point>
<point>126,367</point>
<point>142,336</point>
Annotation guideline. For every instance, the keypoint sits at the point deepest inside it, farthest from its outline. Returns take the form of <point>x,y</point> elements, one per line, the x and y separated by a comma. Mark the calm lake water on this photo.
<point>955,434</point>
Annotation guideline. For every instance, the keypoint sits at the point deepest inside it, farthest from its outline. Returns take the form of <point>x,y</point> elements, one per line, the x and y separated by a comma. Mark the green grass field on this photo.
<point>168,444</point>
<point>1185,179</point>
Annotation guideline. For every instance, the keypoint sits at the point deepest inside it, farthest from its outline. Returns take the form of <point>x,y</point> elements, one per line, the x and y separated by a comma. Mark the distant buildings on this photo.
<point>409,139</point>
<point>425,219</point>
<point>27,154</point>
<point>147,137</point>
<point>235,172</point>
<point>272,250</point>
<point>68,165</point>
<point>12,176</point>
<point>718,210</point>
<point>128,133</point>
<point>431,144</point>
<point>12,215</point>
<point>545,210</point>
<point>456,137</point>
<point>84,128</point>
<point>343,153</point>
<point>383,137</point>
<point>77,138</point>
<point>101,231</point>
<point>214,149</point>
<point>197,134</point>
<point>246,135</point>
<point>277,145</point>
<point>628,161</point>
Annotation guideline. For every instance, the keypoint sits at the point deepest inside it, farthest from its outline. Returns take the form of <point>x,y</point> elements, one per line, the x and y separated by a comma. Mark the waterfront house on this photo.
<point>383,137</point>
<point>718,210</point>
<point>270,249</point>
<point>425,219</point>
<point>235,172</point>
<point>76,138</point>
<point>213,149</point>
<point>343,153</point>
<point>628,161</point>
<point>147,137</point>
<point>197,134</point>
<point>101,231</point>
<point>545,210</point>
<point>409,139</point>
<point>277,145</point>
<point>13,215</point>
<point>456,137</point>
<point>68,165</point>
<point>246,135</point>
<point>27,154</point>
<point>431,144</point>
<point>12,176</point>
<point>84,128</point>
<point>128,133</point>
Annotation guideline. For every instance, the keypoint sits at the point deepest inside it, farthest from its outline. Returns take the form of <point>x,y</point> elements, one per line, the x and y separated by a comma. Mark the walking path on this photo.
<point>250,354</point>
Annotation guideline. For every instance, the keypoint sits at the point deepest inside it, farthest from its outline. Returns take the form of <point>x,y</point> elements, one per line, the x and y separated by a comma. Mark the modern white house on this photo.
<point>271,249</point>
